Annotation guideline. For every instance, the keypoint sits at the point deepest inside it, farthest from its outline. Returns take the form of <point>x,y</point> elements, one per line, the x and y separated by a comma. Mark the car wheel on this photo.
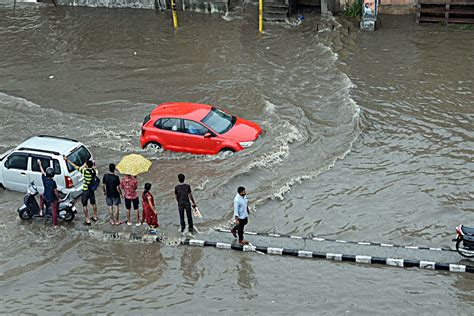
<point>227,150</point>
<point>154,146</point>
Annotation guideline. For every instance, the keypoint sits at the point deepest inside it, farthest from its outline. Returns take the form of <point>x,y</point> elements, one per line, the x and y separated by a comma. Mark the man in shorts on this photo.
<point>88,172</point>
<point>112,192</point>
<point>129,184</point>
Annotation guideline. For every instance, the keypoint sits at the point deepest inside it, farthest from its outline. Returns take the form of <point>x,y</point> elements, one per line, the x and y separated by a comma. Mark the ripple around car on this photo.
<point>196,128</point>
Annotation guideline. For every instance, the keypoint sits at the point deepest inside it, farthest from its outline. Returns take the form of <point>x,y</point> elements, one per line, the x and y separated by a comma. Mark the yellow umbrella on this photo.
<point>133,164</point>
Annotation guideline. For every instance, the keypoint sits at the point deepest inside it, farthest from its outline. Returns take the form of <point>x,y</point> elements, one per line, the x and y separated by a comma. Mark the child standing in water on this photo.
<point>150,215</point>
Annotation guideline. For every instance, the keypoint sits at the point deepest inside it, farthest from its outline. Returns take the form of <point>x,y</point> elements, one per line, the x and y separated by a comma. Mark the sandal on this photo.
<point>119,223</point>
<point>94,219</point>
<point>87,223</point>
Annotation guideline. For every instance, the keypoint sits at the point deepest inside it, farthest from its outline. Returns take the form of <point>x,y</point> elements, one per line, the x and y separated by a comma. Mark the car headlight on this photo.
<point>246,144</point>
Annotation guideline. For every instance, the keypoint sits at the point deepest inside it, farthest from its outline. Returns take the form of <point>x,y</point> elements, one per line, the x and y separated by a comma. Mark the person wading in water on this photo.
<point>129,184</point>
<point>89,173</point>
<point>112,192</point>
<point>50,195</point>
<point>183,194</point>
<point>150,215</point>
<point>241,214</point>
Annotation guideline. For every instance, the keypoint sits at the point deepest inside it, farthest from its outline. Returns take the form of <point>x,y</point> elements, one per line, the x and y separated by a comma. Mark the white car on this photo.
<point>19,166</point>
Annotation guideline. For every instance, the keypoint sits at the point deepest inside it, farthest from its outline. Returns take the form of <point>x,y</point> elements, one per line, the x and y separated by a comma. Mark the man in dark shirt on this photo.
<point>183,195</point>
<point>50,194</point>
<point>112,192</point>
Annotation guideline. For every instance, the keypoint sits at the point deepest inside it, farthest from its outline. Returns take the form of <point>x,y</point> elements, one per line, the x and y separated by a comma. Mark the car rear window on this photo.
<point>78,157</point>
<point>169,124</point>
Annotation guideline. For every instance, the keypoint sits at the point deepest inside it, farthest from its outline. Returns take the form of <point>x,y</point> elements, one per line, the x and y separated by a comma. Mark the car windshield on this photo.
<point>219,121</point>
<point>78,157</point>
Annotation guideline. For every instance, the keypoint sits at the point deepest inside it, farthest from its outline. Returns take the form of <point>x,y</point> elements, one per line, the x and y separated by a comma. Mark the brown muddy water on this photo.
<point>368,136</point>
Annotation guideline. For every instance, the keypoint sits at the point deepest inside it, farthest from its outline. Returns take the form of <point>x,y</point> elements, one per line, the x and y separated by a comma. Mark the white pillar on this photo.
<point>324,7</point>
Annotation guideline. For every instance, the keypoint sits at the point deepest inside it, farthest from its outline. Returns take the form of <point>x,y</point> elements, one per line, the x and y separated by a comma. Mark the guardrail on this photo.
<point>439,11</point>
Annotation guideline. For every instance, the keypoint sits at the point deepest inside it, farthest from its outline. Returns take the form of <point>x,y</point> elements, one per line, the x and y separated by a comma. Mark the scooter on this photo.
<point>30,208</point>
<point>465,241</point>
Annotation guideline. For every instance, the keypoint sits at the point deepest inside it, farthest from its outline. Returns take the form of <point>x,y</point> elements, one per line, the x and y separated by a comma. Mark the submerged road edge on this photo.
<point>364,259</point>
<point>394,262</point>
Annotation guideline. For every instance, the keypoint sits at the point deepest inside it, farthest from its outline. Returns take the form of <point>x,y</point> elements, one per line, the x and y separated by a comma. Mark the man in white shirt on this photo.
<point>241,215</point>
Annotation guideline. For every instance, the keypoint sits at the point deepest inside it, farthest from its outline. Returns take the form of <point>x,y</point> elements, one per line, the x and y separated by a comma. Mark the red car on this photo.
<point>196,128</point>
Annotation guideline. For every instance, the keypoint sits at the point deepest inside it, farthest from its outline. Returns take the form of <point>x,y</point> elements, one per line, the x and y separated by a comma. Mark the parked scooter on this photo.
<point>465,241</point>
<point>30,208</point>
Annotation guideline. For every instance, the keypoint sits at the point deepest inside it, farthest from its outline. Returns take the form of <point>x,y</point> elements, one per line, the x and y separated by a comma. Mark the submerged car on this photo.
<point>196,128</point>
<point>19,166</point>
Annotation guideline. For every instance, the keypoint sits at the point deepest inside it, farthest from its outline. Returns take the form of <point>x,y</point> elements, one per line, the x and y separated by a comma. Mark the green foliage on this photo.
<point>354,10</point>
<point>465,26</point>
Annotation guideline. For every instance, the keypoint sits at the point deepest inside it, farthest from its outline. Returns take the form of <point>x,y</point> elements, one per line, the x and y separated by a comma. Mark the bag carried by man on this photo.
<point>95,182</point>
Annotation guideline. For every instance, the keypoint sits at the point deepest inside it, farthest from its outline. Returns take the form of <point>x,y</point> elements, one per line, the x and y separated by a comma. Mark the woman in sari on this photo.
<point>150,215</point>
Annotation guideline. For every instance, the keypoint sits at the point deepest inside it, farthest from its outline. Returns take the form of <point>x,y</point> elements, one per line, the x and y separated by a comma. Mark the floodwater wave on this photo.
<point>366,137</point>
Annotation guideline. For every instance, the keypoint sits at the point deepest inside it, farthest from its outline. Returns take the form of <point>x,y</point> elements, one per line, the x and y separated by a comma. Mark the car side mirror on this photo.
<point>207,135</point>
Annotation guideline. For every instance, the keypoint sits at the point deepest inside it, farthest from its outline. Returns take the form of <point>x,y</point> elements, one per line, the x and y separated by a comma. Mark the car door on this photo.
<point>194,140</point>
<point>170,133</point>
<point>15,172</point>
<point>34,171</point>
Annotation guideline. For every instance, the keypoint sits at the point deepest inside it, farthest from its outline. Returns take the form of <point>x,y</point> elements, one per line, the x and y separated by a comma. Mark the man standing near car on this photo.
<point>112,192</point>
<point>183,194</point>
<point>88,172</point>
<point>50,194</point>
<point>241,215</point>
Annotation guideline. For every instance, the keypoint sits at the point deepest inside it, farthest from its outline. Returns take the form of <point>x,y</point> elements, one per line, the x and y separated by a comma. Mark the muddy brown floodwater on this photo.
<point>367,136</point>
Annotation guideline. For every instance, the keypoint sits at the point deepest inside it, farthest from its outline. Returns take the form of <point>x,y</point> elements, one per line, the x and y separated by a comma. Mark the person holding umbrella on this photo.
<point>131,166</point>
<point>129,184</point>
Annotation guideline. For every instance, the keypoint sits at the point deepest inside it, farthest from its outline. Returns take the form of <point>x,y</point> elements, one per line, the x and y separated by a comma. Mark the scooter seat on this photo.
<point>467,230</point>
<point>469,239</point>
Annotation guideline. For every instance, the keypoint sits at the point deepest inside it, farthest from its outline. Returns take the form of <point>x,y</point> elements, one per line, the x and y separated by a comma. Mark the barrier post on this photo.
<point>175,16</point>
<point>260,16</point>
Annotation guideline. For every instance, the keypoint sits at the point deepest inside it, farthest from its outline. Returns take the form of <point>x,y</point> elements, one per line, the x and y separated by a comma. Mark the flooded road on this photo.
<point>367,136</point>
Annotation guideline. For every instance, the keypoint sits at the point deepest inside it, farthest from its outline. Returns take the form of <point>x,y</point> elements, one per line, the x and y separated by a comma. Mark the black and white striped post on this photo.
<point>395,262</point>
<point>361,243</point>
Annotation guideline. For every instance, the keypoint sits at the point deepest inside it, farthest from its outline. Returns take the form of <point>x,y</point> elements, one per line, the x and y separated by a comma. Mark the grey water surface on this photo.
<point>367,136</point>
